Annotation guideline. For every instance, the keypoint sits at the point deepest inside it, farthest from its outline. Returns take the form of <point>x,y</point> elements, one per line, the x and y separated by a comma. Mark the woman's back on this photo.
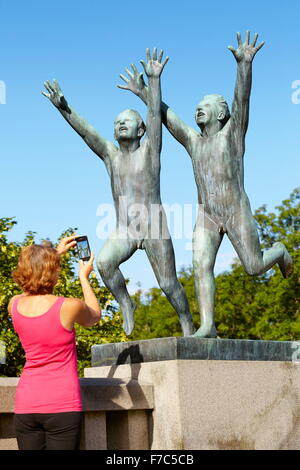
<point>49,382</point>
<point>48,410</point>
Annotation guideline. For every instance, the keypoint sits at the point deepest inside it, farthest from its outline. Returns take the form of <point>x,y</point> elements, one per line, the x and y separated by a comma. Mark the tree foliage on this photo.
<point>109,329</point>
<point>250,307</point>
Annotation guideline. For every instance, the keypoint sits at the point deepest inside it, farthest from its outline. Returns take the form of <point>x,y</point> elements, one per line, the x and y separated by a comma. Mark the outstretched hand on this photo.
<point>135,82</point>
<point>55,94</point>
<point>246,51</point>
<point>154,67</point>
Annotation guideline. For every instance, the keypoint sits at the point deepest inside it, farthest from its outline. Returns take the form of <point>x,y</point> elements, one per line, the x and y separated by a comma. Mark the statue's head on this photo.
<point>129,125</point>
<point>212,108</point>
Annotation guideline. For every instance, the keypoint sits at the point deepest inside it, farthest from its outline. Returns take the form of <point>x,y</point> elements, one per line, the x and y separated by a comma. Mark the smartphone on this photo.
<point>83,248</point>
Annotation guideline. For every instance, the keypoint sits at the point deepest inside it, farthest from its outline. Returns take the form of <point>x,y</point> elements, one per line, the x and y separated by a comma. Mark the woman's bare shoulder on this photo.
<point>72,305</point>
<point>70,311</point>
<point>10,303</point>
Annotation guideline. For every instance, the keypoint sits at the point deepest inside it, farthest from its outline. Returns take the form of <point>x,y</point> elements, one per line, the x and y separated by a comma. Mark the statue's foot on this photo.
<point>128,318</point>
<point>286,264</point>
<point>187,326</point>
<point>206,331</point>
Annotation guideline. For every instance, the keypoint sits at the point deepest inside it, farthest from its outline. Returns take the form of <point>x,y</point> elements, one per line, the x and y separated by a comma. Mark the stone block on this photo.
<point>128,430</point>
<point>217,404</point>
<point>94,431</point>
<point>115,394</point>
<point>191,348</point>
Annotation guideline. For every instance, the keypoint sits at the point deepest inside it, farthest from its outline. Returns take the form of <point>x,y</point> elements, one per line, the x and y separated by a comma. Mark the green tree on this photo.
<point>109,329</point>
<point>249,307</point>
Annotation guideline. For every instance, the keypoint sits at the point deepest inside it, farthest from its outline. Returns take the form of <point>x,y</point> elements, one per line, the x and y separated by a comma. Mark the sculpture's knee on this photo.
<point>169,286</point>
<point>253,272</point>
<point>253,268</point>
<point>203,265</point>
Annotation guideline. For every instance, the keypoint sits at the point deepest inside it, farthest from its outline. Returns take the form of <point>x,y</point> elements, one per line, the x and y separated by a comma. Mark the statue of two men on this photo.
<point>216,153</point>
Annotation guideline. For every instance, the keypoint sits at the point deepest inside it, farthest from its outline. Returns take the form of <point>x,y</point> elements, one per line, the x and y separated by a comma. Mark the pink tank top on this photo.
<point>49,382</point>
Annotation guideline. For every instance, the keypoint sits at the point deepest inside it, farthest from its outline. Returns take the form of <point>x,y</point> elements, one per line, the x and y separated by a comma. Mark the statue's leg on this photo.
<point>244,238</point>
<point>114,252</point>
<point>206,242</point>
<point>160,253</point>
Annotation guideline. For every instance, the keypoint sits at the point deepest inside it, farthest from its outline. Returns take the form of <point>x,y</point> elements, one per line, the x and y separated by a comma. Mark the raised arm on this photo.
<point>85,313</point>
<point>244,56</point>
<point>102,147</point>
<point>181,131</point>
<point>153,69</point>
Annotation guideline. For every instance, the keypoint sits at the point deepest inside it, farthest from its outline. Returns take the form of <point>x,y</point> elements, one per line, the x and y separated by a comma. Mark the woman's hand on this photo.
<point>66,244</point>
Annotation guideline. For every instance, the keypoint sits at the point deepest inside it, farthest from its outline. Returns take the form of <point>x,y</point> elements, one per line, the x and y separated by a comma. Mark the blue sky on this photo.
<point>50,180</point>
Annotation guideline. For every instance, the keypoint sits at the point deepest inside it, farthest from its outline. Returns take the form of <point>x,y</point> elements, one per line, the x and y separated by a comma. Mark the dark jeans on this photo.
<point>48,431</point>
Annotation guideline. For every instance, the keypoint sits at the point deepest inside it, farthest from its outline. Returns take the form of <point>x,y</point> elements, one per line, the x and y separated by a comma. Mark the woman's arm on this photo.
<point>85,313</point>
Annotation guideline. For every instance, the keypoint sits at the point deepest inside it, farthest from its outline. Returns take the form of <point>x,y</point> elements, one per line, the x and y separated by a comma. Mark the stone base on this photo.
<point>178,347</point>
<point>202,404</point>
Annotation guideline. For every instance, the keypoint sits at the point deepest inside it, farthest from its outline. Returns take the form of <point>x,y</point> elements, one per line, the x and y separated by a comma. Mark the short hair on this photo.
<point>139,118</point>
<point>222,104</point>
<point>37,269</point>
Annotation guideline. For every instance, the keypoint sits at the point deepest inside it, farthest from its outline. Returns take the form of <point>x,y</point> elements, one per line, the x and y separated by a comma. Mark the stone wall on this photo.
<point>218,405</point>
<point>117,414</point>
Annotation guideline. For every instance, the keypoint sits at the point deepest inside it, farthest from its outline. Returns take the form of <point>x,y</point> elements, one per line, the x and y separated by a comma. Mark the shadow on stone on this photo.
<point>133,352</point>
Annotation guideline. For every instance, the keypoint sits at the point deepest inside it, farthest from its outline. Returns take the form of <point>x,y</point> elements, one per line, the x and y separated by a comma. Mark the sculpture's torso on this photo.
<point>135,180</point>
<point>219,174</point>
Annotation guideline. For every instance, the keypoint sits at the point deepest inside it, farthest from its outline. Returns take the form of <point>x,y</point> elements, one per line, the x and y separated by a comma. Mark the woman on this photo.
<point>48,408</point>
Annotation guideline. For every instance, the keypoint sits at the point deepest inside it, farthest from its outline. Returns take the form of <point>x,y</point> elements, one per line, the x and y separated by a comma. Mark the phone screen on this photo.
<point>83,248</point>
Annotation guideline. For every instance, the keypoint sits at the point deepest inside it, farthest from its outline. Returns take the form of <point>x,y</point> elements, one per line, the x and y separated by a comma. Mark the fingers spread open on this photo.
<point>129,72</point>
<point>125,79</point>
<point>48,88</point>
<point>56,85</point>
<point>134,69</point>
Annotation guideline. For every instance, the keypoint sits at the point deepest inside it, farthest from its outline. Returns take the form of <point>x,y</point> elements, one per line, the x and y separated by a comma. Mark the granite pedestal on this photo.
<point>192,348</point>
<point>212,393</point>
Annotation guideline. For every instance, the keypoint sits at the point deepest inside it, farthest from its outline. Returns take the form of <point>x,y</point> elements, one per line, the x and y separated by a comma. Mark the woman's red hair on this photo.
<point>37,269</point>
